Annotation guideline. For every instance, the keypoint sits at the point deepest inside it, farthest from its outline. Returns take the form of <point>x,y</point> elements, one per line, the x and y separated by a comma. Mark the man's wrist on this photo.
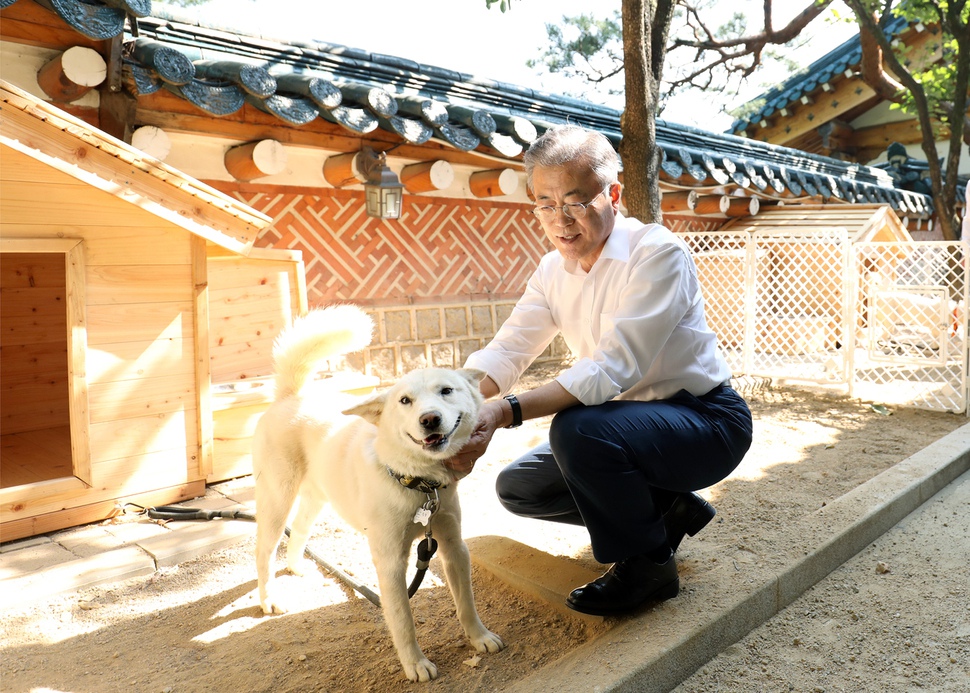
<point>516,411</point>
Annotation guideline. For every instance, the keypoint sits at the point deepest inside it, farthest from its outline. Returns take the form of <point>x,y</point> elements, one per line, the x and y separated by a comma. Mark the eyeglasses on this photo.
<point>573,210</point>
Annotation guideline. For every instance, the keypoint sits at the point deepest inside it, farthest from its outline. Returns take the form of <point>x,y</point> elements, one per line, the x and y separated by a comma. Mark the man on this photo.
<point>645,415</point>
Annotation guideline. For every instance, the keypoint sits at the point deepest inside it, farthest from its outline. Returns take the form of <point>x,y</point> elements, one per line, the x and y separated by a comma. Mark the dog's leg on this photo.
<point>458,573</point>
<point>274,498</point>
<point>390,559</point>
<point>306,515</point>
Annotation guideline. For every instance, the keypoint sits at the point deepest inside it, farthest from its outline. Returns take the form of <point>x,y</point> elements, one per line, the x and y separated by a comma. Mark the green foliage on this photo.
<point>938,79</point>
<point>503,5</point>
<point>736,26</point>
<point>584,47</point>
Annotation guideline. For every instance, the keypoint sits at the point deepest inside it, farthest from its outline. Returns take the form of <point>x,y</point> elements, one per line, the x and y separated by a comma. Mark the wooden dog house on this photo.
<point>130,292</point>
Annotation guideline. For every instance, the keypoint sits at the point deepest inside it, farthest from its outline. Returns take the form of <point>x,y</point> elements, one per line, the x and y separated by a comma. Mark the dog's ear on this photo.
<point>370,409</point>
<point>472,375</point>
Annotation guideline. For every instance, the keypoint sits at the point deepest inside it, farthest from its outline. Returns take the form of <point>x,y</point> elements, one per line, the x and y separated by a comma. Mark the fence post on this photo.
<point>750,300</point>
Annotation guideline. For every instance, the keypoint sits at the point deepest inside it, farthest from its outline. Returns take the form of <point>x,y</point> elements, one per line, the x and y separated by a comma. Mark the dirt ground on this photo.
<point>198,627</point>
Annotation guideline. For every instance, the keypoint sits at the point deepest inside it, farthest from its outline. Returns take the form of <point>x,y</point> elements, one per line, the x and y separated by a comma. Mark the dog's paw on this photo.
<point>272,606</point>
<point>422,670</point>
<point>299,566</point>
<point>488,642</point>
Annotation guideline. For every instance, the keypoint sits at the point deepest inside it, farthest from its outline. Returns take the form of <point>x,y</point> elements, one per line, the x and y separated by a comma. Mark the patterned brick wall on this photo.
<point>692,224</point>
<point>439,250</point>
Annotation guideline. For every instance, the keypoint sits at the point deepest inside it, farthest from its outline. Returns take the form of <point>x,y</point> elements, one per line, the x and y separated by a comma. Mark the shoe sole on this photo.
<point>668,591</point>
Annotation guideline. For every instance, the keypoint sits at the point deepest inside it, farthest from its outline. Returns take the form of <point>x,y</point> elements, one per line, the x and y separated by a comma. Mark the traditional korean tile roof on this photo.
<point>839,63</point>
<point>218,69</point>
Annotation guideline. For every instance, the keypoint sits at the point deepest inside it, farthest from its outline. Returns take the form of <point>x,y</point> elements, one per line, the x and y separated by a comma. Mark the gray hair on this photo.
<point>565,144</point>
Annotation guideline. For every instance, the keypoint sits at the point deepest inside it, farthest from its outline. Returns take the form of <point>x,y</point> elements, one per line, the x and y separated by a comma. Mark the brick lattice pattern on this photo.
<point>439,250</point>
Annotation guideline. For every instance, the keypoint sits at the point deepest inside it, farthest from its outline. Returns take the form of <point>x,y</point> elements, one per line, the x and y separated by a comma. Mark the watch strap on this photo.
<point>516,411</point>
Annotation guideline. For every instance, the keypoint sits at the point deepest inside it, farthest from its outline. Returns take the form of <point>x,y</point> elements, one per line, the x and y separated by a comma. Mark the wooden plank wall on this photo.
<point>140,331</point>
<point>33,342</point>
<point>250,302</point>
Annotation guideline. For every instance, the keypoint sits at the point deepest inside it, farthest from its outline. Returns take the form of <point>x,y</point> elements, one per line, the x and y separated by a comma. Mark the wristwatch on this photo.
<point>516,411</point>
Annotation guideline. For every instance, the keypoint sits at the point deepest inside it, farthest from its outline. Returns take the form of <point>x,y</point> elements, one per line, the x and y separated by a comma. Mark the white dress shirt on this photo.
<point>635,323</point>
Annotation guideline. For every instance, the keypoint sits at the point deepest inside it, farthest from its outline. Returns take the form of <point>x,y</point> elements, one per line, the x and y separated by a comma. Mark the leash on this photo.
<point>428,545</point>
<point>425,549</point>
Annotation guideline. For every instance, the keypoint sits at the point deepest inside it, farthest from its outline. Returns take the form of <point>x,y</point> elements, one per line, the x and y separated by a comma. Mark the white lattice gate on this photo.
<point>887,320</point>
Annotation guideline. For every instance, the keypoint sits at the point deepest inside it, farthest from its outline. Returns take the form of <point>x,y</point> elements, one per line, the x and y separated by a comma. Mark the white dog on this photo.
<point>377,461</point>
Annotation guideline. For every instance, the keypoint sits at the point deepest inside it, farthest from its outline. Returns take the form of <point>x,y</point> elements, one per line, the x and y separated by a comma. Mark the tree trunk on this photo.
<point>646,24</point>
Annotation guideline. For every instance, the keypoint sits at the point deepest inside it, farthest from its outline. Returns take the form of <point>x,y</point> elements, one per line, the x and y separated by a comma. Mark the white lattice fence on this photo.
<point>911,323</point>
<point>887,320</point>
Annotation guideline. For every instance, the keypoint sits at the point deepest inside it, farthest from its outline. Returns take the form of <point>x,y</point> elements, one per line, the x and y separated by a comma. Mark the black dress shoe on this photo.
<point>688,514</point>
<point>625,586</point>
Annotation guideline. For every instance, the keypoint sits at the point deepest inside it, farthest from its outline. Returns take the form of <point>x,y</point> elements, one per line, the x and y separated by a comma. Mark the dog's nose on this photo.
<point>431,420</point>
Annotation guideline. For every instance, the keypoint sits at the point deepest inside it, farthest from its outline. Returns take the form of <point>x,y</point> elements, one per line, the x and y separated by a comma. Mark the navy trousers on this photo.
<point>615,467</point>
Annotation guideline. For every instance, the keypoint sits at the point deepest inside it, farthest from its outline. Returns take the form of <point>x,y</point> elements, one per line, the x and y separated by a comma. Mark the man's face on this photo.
<point>583,239</point>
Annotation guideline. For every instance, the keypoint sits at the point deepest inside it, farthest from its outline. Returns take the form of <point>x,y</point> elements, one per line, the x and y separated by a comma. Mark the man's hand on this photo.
<point>489,419</point>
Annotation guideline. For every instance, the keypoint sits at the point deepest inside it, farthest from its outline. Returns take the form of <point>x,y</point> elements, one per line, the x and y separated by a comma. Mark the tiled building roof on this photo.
<point>836,64</point>
<point>218,69</point>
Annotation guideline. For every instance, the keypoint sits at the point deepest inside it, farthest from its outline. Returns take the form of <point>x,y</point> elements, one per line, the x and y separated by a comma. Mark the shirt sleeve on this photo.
<point>660,289</point>
<point>522,338</point>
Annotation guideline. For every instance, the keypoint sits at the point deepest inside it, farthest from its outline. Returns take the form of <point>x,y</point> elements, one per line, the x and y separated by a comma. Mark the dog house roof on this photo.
<point>90,155</point>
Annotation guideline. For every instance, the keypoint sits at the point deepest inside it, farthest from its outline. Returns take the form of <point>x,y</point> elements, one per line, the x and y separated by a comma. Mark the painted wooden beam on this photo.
<point>72,74</point>
<point>502,181</point>
<point>678,200</point>
<point>343,169</point>
<point>153,141</point>
<point>427,176</point>
<point>255,160</point>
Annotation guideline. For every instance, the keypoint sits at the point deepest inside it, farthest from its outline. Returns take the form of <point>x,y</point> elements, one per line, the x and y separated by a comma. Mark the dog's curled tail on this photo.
<point>320,334</point>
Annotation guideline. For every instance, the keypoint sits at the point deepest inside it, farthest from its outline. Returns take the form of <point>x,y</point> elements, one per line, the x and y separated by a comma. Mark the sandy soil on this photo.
<point>198,627</point>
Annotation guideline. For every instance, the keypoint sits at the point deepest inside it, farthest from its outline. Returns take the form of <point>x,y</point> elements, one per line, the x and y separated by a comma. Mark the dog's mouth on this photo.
<point>436,441</point>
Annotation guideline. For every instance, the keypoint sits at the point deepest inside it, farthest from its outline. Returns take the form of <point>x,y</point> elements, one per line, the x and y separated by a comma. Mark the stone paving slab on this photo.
<point>24,543</point>
<point>32,557</point>
<point>190,540</point>
<point>80,573</point>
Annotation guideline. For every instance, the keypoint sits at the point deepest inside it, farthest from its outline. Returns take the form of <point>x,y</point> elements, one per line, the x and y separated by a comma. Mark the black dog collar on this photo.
<point>416,482</point>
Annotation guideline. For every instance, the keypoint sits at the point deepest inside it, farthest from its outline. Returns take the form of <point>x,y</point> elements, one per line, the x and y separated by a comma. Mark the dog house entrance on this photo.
<point>36,290</point>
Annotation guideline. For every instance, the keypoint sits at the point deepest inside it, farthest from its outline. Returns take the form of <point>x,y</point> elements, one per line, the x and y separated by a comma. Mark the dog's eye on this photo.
<point>405,400</point>
<point>447,390</point>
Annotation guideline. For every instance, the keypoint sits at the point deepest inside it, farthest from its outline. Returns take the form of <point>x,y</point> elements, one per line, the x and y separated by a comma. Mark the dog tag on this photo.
<point>422,516</point>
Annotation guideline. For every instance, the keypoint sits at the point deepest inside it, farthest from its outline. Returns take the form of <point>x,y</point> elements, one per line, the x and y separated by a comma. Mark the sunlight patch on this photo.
<point>244,613</point>
<point>768,452</point>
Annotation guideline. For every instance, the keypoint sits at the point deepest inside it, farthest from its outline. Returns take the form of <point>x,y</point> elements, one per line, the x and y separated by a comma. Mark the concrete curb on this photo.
<point>650,653</point>
<point>534,572</point>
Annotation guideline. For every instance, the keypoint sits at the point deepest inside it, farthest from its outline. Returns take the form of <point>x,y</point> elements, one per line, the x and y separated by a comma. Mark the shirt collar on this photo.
<point>617,246</point>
